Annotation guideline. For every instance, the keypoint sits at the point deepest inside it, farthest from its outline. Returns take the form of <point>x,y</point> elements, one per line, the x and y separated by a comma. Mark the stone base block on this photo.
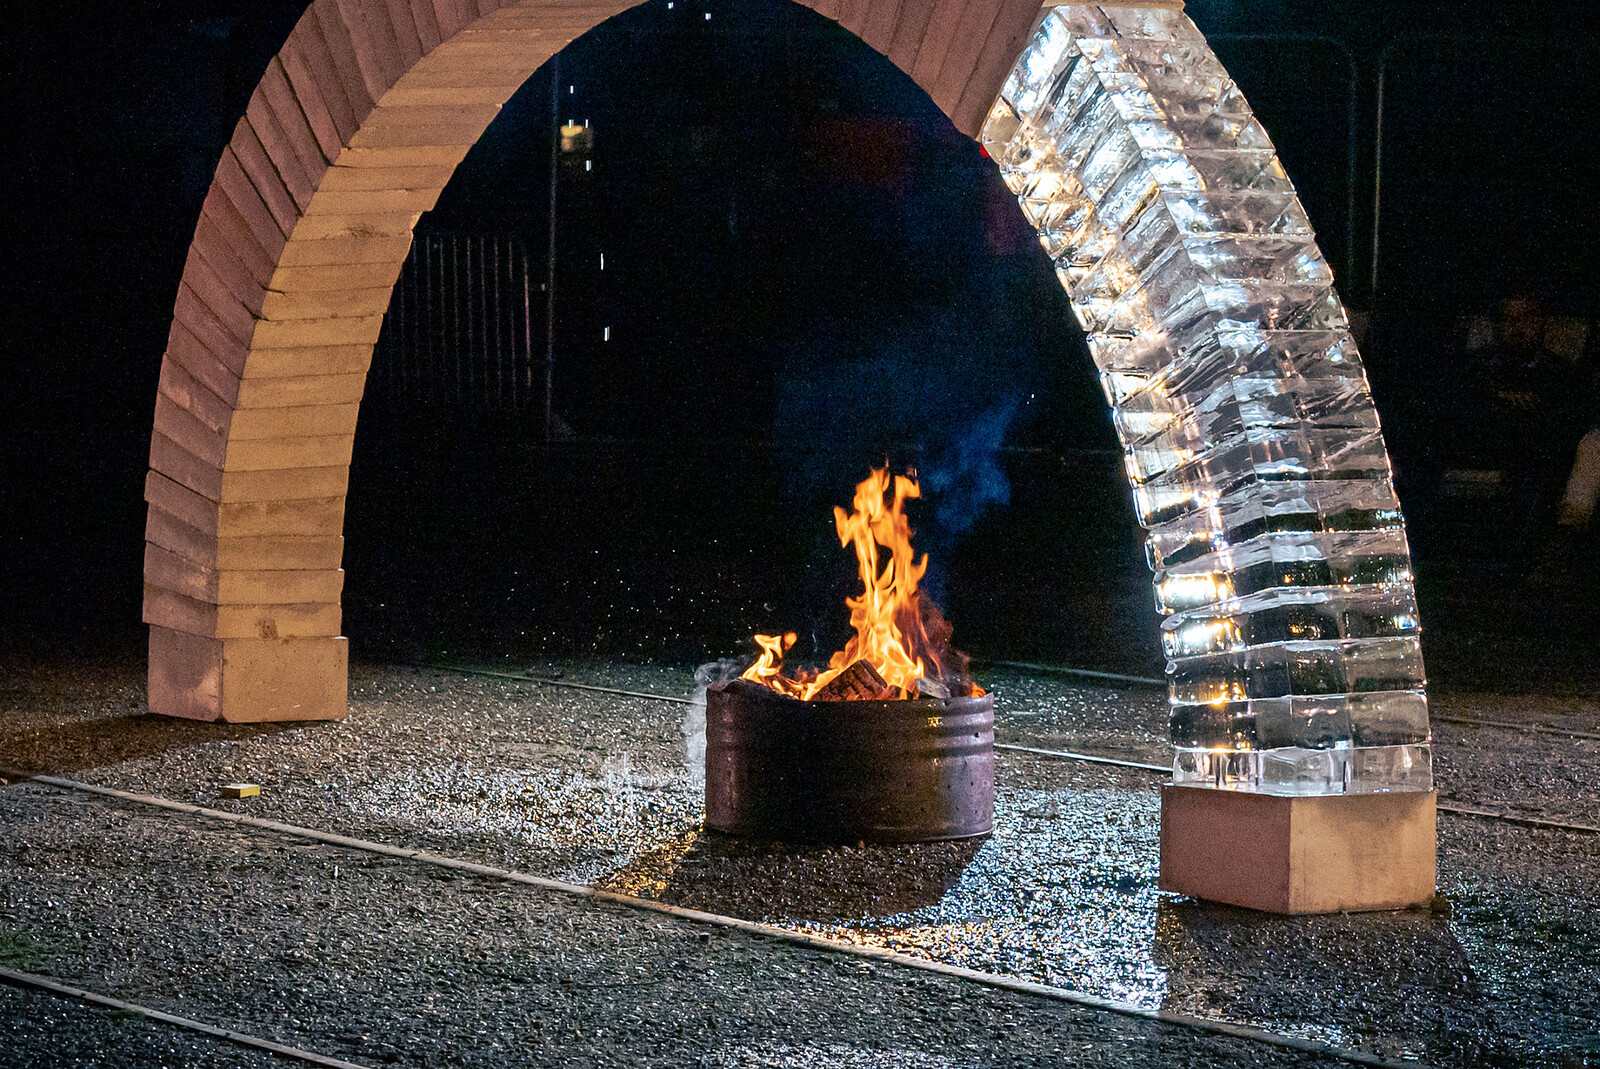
<point>1299,855</point>
<point>247,680</point>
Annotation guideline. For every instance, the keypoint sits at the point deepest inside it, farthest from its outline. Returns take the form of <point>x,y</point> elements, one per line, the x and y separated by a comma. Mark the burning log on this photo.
<point>858,683</point>
<point>901,646</point>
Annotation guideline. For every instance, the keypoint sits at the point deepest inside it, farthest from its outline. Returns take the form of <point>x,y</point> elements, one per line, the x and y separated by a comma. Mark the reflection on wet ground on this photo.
<point>595,788</point>
<point>787,883</point>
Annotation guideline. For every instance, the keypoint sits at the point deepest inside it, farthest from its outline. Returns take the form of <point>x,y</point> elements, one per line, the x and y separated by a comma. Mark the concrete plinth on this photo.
<point>250,679</point>
<point>1299,855</point>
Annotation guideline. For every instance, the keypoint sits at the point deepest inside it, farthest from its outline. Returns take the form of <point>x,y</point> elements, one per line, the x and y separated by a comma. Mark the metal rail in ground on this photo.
<point>1005,983</point>
<point>1050,669</point>
<point>1443,807</point>
<point>1467,810</point>
<point>243,1039</point>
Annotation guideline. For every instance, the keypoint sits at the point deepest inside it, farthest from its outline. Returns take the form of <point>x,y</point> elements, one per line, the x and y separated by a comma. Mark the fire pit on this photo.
<point>848,771</point>
<point>891,743</point>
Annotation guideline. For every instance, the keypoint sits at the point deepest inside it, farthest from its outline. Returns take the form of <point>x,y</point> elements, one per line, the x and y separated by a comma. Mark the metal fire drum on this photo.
<point>847,771</point>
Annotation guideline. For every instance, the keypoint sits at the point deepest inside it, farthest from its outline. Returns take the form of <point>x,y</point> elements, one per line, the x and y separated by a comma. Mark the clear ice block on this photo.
<point>1251,443</point>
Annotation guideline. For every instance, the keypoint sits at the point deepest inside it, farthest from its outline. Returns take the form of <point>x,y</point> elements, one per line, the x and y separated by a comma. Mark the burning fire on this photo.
<point>899,634</point>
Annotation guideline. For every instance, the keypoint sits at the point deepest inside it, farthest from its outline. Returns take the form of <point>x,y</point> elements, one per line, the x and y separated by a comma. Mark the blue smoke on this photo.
<point>968,478</point>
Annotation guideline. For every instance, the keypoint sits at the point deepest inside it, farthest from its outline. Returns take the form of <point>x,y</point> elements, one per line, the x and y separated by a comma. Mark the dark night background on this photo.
<point>807,271</point>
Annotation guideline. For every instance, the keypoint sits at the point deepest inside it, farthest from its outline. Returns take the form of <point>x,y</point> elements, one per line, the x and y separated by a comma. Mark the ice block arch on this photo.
<point>1253,449</point>
<point>1250,438</point>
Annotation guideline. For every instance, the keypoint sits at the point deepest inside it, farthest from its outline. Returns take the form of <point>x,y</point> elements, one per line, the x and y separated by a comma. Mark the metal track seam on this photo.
<point>23,979</point>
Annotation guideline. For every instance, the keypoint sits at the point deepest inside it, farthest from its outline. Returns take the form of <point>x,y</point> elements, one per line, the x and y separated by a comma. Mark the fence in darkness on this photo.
<point>460,327</point>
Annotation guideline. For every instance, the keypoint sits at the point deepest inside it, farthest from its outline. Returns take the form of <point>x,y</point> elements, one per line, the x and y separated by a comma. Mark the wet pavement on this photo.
<point>595,788</point>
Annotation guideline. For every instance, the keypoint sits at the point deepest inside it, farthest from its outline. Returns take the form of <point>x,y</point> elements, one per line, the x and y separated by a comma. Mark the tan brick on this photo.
<point>383,250</point>
<point>324,304</point>
<point>264,454</point>
<point>470,91</point>
<point>356,225</point>
<point>309,97</point>
<point>300,391</point>
<point>413,182</point>
<point>961,57</point>
<point>388,137</point>
<point>337,276</point>
<point>309,421</point>
<point>568,18</point>
<point>942,24</point>
<point>277,621</point>
<point>437,73</point>
<point>306,517</point>
<point>404,25</point>
<point>169,609</point>
<point>283,484</point>
<point>316,361</point>
<point>311,333</point>
<point>185,675</point>
<point>1300,854</point>
<point>279,587</point>
<point>375,200</point>
<point>407,156</point>
<point>1005,40</point>
<point>452,16</point>
<point>878,23</point>
<point>497,53</point>
<point>271,552</point>
<point>489,62</point>
<point>466,116</point>
<point>851,14</point>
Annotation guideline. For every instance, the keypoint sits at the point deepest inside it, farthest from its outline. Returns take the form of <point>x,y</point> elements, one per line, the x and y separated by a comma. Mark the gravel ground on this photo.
<point>594,788</point>
<point>391,962</point>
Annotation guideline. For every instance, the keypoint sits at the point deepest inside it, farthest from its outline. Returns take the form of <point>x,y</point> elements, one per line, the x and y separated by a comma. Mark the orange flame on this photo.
<point>901,637</point>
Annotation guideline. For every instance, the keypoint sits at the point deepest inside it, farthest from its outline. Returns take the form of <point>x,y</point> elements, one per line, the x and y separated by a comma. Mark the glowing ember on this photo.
<point>899,634</point>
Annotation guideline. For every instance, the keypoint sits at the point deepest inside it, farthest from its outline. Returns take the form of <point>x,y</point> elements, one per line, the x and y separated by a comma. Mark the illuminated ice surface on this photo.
<point>1250,438</point>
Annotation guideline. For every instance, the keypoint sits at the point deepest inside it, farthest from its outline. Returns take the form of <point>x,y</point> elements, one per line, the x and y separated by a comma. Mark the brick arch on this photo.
<point>351,134</point>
